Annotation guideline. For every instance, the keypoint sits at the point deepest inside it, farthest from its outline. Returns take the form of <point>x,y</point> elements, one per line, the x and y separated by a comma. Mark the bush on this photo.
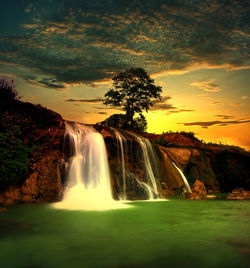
<point>8,93</point>
<point>14,152</point>
<point>121,121</point>
<point>13,161</point>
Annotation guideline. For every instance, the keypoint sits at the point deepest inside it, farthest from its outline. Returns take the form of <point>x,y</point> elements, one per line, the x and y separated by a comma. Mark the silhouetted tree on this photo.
<point>8,92</point>
<point>133,90</point>
<point>140,123</point>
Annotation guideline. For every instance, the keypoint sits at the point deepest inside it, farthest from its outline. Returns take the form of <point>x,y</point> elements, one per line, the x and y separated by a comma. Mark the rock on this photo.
<point>179,155</point>
<point>28,199</point>
<point>43,184</point>
<point>172,181</point>
<point>198,191</point>
<point>231,167</point>
<point>106,134</point>
<point>9,202</point>
<point>3,209</point>
<point>211,196</point>
<point>239,194</point>
<point>49,182</point>
<point>30,185</point>
<point>13,193</point>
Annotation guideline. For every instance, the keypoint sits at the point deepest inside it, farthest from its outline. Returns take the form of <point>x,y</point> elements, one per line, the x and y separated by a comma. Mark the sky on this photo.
<point>63,54</point>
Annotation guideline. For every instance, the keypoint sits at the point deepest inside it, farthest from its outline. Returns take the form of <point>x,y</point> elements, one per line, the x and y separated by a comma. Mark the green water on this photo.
<point>177,233</point>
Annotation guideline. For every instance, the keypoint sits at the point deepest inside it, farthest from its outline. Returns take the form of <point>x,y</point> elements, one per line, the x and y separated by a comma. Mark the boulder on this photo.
<point>211,196</point>
<point>198,191</point>
<point>43,185</point>
<point>30,185</point>
<point>13,193</point>
<point>239,194</point>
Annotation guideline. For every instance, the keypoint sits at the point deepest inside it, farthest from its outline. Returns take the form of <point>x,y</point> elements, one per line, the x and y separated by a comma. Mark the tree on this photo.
<point>133,90</point>
<point>140,123</point>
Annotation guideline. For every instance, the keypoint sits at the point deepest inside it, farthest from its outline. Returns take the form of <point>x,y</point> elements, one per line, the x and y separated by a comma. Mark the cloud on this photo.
<point>215,123</point>
<point>162,105</point>
<point>244,97</point>
<point>236,104</point>
<point>209,86</point>
<point>180,111</point>
<point>102,113</point>
<point>82,42</point>
<point>216,102</point>
<point>222,116</point>
<point>108,108</point>
<point>90,101</point>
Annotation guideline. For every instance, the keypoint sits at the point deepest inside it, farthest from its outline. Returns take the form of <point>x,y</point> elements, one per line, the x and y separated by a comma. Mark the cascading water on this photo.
<point>120,139</point>
<point>147,150</point>
<point>88,180</point>
<point>187,187</point>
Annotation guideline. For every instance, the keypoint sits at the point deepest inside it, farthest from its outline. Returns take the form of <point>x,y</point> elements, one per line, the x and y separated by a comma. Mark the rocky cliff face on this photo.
<point>134,166</point>
<point>35,176</point>
<point>220,168</point>
<point>230,166</point>
<point>32,139</point>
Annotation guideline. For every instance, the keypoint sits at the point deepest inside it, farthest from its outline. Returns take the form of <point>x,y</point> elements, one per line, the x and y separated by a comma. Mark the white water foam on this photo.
<point>88,179</point>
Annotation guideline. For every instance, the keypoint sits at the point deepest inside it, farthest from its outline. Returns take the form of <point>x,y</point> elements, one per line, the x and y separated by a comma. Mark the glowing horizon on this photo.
<point>64,58</point>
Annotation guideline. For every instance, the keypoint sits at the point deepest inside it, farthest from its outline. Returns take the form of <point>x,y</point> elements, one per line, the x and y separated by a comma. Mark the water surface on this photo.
<point>178,233</point>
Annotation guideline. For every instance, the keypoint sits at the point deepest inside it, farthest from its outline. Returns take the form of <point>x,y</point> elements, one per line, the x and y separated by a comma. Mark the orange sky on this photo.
<point>214,101</point>
<point>64,57</point>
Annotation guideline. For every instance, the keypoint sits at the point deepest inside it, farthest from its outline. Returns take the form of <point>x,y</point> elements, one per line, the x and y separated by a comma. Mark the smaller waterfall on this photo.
<point>188,189</point>
<point>147,150</point>
<point>120,139</point>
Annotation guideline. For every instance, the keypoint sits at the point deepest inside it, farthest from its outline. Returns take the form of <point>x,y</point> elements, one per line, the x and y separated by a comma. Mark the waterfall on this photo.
<point>188,189</point>
<point>120,139</point>
<point>88,179</point>
<point>149,161</point>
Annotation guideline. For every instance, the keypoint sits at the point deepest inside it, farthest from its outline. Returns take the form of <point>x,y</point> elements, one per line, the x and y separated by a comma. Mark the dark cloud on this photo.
<point>180,111</point>
<point>91,101</point>
<point>108,108</point>
<point>216,123</point>
<point>76,42</point>
<point>162,105</point>
<point>102,113</point>
<point>225,117</point>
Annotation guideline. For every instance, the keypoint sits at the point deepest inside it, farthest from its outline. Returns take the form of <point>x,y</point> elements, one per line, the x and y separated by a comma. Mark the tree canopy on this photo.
<point>133,90</point>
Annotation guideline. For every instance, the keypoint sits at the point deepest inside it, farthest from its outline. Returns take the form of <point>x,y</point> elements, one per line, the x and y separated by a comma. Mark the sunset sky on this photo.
<point>63,54</point>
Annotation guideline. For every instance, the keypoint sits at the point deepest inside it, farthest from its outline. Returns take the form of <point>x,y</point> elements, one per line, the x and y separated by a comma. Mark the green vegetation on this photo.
<point>20,125</point>
<point>13,158</point>
<point>120,121</point>
<point>13,150</point>
<point>133,90</point>
<point>226,146</point>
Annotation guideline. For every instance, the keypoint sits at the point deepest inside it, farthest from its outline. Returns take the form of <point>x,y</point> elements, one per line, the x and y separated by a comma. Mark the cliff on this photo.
<point>32,159</point>
<point>31,138</point>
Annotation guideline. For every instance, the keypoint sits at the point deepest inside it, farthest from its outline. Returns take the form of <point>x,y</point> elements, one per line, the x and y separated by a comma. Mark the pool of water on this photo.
<point>177,233</point>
